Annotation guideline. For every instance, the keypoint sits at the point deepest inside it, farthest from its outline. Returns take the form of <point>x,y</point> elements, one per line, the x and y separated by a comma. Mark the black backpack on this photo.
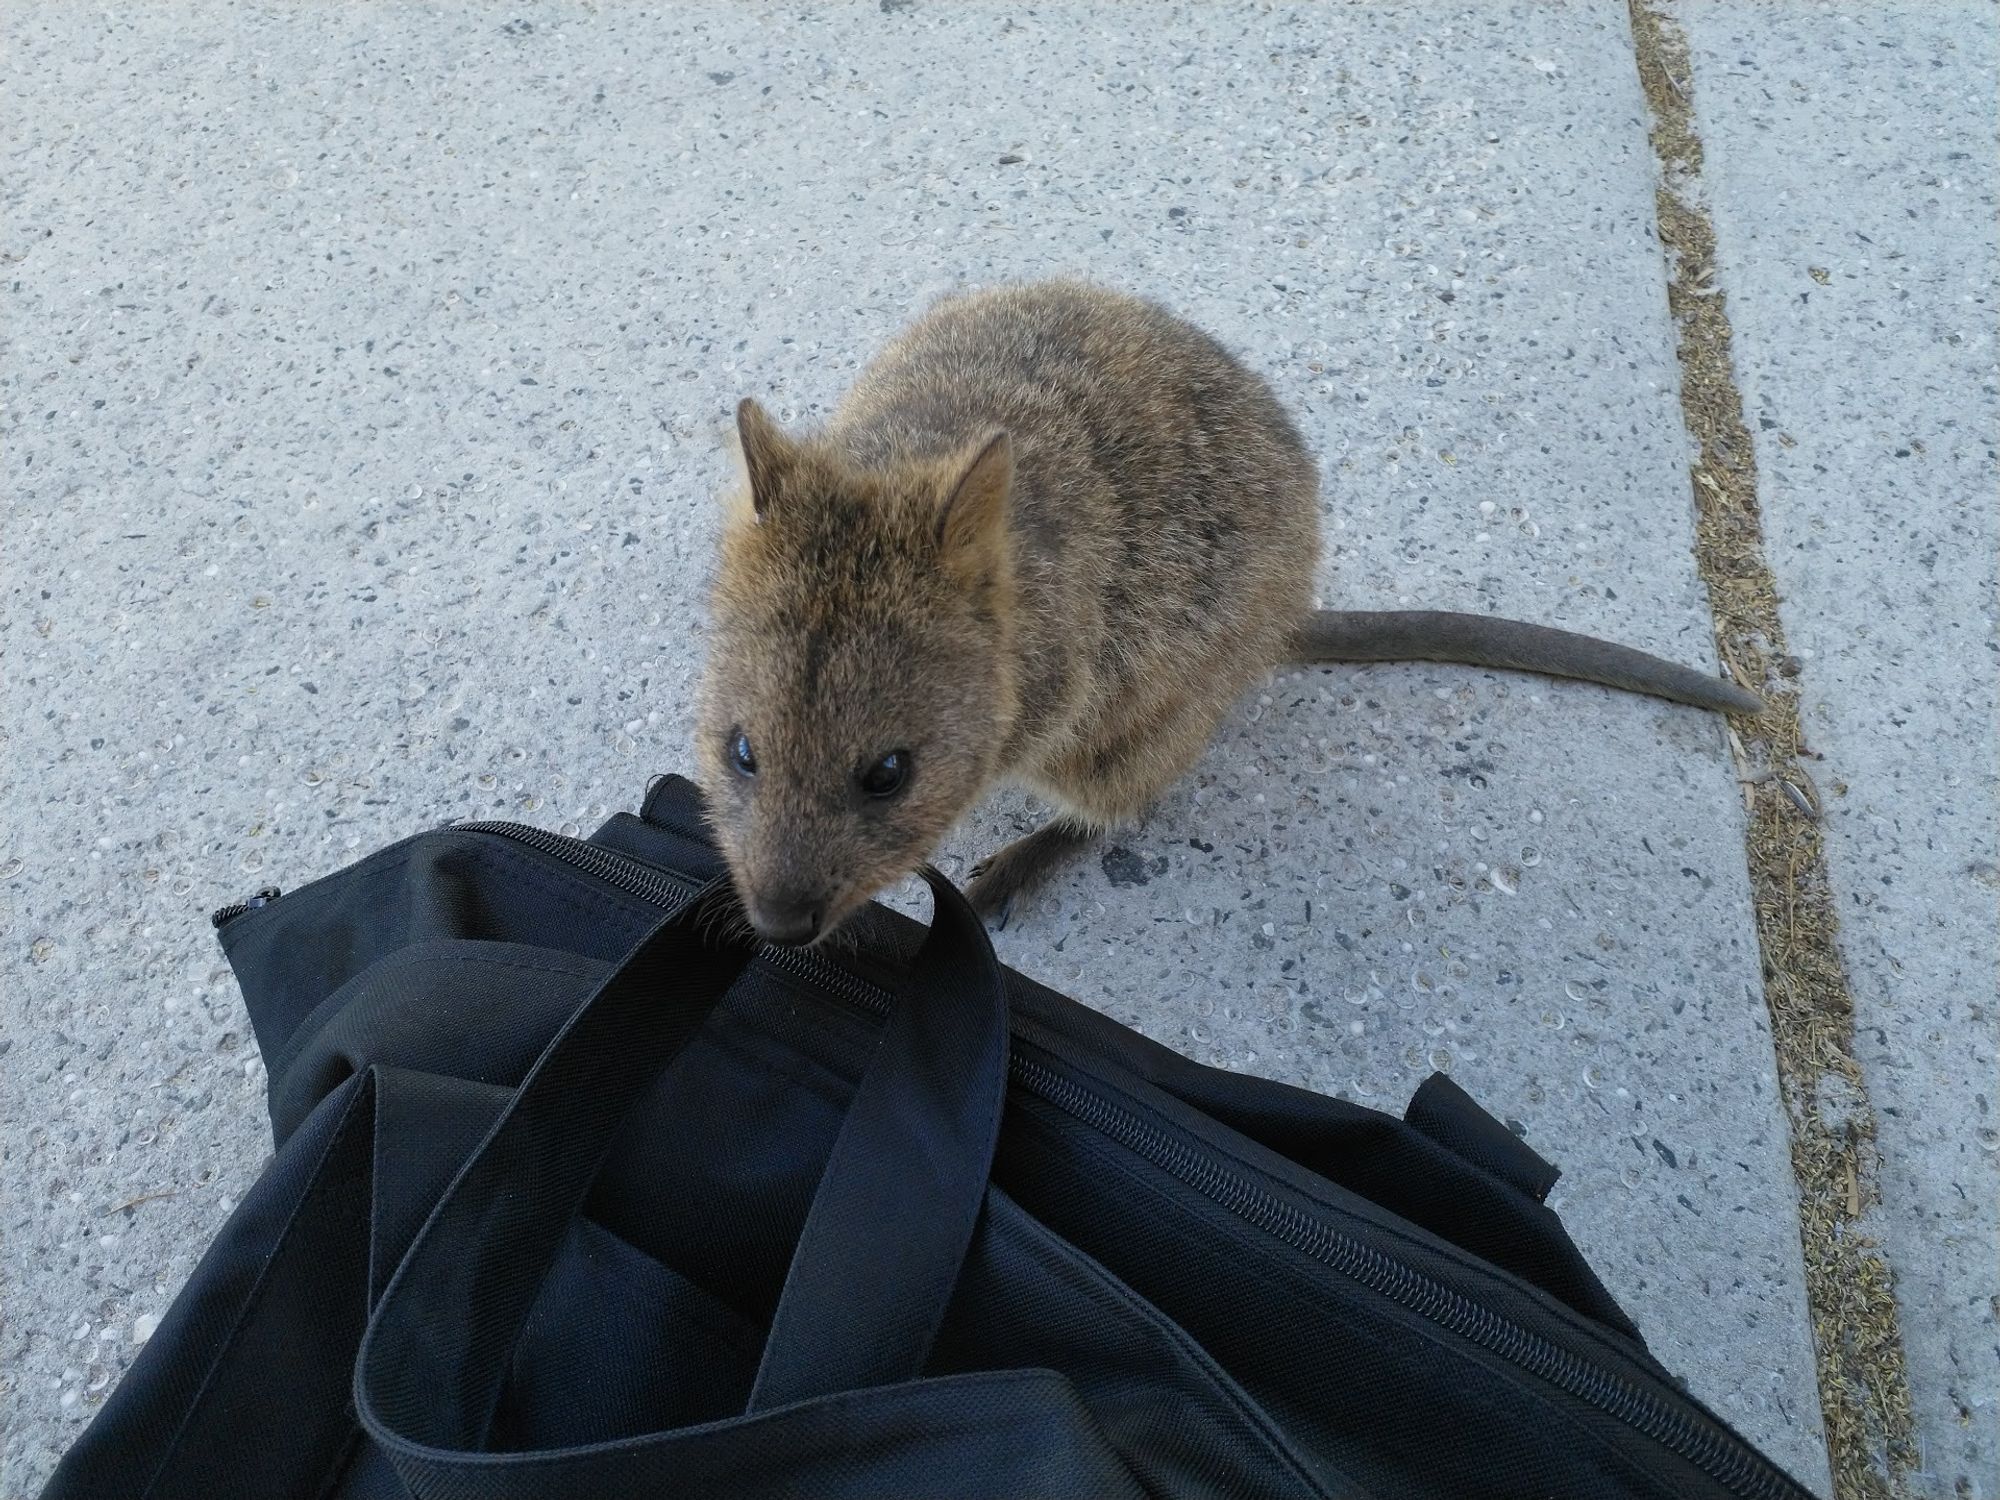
<point>577,1195</point>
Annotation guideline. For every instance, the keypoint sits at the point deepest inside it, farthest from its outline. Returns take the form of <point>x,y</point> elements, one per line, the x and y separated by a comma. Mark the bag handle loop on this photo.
<point>883,1240</point>
<point>902,1189</point>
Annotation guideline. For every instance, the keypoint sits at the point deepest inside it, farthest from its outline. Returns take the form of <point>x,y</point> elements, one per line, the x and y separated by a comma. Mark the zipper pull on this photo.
<point>230,913</point>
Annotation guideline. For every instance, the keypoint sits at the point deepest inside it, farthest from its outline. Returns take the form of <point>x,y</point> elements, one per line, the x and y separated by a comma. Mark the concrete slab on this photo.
<point>1854,170</point>
<point>365,388</point>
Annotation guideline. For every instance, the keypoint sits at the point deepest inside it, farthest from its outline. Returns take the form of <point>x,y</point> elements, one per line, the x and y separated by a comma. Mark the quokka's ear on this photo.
<point>765,450</point>
<point>973,520</point>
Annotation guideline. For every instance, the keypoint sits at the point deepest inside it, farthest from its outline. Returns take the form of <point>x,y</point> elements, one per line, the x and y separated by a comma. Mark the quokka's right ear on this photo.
<point>766,453</point>
<point>972,524</point>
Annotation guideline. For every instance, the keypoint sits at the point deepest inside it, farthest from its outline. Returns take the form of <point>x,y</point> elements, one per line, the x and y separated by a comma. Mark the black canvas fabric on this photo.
<point>577,1194</point>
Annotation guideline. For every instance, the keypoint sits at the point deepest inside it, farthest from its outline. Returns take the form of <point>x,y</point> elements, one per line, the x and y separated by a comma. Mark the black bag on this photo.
<point>576,1196</point>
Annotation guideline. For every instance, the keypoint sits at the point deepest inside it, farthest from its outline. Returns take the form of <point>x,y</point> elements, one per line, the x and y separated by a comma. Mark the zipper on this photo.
<point>235,909</point>
<point>1716,1453</point>
<point>1722,1457</point>
<point>668,890</point>
<point>627,874</point>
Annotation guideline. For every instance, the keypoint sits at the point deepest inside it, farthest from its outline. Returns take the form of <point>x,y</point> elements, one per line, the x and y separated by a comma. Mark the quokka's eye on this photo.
<point>888,775</point>
<point>740,754</point>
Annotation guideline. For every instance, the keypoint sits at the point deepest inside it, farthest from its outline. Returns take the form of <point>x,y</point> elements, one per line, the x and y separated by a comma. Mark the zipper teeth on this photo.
<point>615,869</point>
<point>221,916</point>
<point>1715,1454</point>
<point>1723,1458</point>
<point>669,891</point>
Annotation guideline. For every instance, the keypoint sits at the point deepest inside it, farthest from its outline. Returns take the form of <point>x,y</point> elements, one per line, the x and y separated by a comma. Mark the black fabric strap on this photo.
<point>876,1261</point>
<point>836,1412</point>
<point>902,1188</point>
<point>243,1390</point>
<point>435,1355</point>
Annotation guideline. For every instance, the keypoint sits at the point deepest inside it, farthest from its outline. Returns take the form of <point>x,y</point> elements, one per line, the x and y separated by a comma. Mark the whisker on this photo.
<point>841,940</point>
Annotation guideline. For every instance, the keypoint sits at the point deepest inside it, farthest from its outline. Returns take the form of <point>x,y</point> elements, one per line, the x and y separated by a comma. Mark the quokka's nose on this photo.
<point>786,920</point>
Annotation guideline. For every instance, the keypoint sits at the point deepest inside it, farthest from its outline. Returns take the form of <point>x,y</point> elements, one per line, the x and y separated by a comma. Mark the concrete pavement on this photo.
<point>1851,166</point>
<point>365,387</point>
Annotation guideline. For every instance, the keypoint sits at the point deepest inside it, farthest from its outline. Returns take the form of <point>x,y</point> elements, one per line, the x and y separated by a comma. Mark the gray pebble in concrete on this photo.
<point>1854,167</point>
<point>365,386</point>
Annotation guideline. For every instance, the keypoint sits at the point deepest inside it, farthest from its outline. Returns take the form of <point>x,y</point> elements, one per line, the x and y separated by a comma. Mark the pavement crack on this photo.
<point>1850,1290</point>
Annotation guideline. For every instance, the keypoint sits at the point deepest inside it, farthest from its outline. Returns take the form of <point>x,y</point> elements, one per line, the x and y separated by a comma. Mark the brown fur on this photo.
<point>1050,536</point>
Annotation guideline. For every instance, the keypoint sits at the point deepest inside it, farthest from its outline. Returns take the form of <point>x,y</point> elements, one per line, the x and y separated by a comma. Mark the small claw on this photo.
<point>981,895</point>
<point>1006,911</point>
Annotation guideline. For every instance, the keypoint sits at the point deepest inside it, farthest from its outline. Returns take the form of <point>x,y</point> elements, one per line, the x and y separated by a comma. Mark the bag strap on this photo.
<point>243,1389</point>
<point>902,1189</point>
<point>883,1241</point>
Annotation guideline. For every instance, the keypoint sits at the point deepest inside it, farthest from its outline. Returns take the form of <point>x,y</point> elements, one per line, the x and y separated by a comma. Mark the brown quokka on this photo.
<point>1050,537</point>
